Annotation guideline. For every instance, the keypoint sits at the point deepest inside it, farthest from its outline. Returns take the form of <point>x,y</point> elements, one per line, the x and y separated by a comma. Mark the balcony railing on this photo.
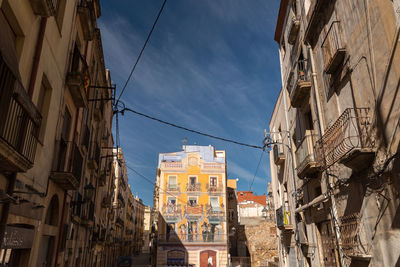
<point>67,165</point>
<point>87,19</point>
<point>214,189</point>
<point>299,85</point>
<point>215,212</point>
<point>279,154</point>
<point>305,155</point>
<point>194,210</point>
<point>172,165</point>
<point>94,156</point>
<point>172,212</point>
<point>192,188</point>
<point>44,8</point>
<point>350,140</point>
<point>78,79</point>
<point>284,219</point>
<point>200,237</point>
<point>333,48</point>
<point>19,124</point>
<point>173,188</point>
<point>213,167</point>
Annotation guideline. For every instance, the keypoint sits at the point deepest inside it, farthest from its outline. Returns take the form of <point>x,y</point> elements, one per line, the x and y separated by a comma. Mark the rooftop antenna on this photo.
<point>184,141</point>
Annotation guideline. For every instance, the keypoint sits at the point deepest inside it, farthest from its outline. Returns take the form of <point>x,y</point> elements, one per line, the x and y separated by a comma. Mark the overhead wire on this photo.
<point>190,130</point>
<point>141,51</point>
<point>258,166</point>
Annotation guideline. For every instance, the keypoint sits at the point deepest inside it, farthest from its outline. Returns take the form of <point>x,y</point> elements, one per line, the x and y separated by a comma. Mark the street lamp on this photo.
<point>264,212</point>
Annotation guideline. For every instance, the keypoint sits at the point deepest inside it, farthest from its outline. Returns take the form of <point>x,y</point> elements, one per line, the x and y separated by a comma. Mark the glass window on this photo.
<point>192,180</point>
<point>192,201</point>
<point>172,182</point>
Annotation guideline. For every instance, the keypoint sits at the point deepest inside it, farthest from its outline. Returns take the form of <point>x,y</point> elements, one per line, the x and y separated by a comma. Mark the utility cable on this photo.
<point>190,130</point>
<point>141,51</point>
<point>258,166</point>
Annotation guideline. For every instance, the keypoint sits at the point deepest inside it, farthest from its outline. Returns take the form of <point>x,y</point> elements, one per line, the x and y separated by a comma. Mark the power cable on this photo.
<point>141,51</point>
<point>258,166</point>
<point>189,130</point>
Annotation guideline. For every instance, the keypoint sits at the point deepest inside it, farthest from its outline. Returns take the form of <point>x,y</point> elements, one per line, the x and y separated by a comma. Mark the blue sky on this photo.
<point>210,65</point>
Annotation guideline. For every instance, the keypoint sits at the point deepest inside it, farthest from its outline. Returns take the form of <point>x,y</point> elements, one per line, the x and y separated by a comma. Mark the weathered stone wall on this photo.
<point>262,241</point>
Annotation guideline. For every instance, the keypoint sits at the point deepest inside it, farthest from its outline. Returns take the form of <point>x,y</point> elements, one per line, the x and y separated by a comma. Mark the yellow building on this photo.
<point>190,197</point>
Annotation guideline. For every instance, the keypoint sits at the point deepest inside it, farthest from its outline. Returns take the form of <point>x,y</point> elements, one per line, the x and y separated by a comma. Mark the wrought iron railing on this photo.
<point>203,236</point>
<point>170,209</point>
<point>212,188</point>
<point>299,74</point>
<point>20,120</point>
<point>67,159</point>
<point>215,212</point>
<point>350,235</point>
<point>190,187</point>
<point>331,43</point>
<point>352,130</point>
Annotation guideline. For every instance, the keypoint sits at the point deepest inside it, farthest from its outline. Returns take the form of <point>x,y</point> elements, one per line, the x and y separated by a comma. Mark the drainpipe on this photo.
<point>327,177</point>
<point>294,196</point>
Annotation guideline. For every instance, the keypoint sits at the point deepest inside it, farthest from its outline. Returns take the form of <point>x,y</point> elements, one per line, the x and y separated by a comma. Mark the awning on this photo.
<point>7,46</point>
<point>215,204</point>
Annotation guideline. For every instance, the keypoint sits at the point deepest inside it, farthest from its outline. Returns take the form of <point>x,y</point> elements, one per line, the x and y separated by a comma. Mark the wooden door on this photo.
<point>208,258</point>
<point>328,244</point>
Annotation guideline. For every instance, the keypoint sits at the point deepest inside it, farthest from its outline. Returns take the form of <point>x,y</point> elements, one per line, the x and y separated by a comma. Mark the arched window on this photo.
<point>52,212</point>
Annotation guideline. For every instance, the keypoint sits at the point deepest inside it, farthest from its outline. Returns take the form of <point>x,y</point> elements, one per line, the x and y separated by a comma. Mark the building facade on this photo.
<point>190,200</point>
<point>56,158</point>
<point>251,206</point>
<point>146,229</point>
<point>334,129</point>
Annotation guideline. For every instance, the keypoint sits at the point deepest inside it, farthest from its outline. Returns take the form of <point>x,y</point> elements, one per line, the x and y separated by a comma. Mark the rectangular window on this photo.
<point>192,180</point>
<point>171,201</point>
<point>172,184</point>
<point>66,125</point>
<point>213,181</point>
<point>193,201</point>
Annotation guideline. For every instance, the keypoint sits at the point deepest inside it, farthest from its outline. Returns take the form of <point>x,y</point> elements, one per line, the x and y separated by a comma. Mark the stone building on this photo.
<point>190,201</point>
<point>251,206</point>
<point>146,229</point>
<point>138,240</point>
<point>334,164</point>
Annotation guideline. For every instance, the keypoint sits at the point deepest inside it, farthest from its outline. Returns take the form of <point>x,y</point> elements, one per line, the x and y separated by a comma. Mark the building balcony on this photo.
<point>19,124</point>
<point>279,154</point>
<point>78,79</point>
<point>306,160</point>
<point>314,16</point>
<point>214,189</point>
<point>201,237</point>
<point>173,188</point>
<point>85,138</point>
<point>215,214</point>
<point>194,211</point>
<point>172,166</point>
<point>300,85</point>
<point>294,30</point>
<point>94,156</point>
<point>87,18</point>
<point>67,165</point>
<point>44,8</point>
<point>193,188</point>
<point>349,141</point>
<point>213,167</point>
<point>119,221</point>
<point>333,48</point>
<point>284,219</point>
<point>172,213</point>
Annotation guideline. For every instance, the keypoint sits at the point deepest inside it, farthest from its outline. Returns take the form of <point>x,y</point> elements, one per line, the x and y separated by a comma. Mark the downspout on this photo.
<point>327,177</point>
<point>294,196</point>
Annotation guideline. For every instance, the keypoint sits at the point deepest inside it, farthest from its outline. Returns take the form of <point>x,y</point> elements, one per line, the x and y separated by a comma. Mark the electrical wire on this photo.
<point>141,51</point>
<point>190,130</point>
<point>258,166</point>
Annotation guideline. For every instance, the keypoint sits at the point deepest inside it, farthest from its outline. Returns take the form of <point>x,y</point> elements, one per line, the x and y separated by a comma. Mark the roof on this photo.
<point>249,196</point>
<point>281,20</point>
